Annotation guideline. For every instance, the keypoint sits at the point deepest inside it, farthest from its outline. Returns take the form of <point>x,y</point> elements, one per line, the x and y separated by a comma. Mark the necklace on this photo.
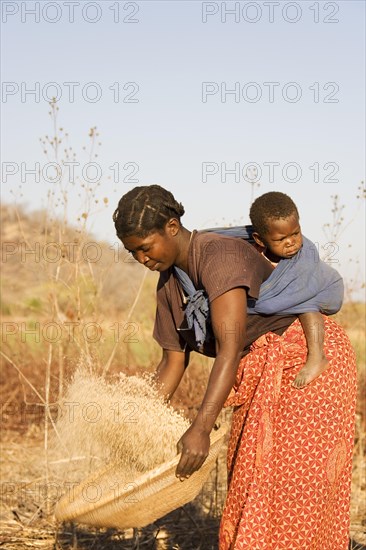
<point>181,291</point>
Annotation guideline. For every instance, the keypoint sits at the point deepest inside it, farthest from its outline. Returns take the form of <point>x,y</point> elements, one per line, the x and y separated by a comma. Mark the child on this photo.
<point>300,283</point>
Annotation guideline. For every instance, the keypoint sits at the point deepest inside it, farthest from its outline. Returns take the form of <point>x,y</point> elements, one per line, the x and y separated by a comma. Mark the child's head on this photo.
<point>276,225</point>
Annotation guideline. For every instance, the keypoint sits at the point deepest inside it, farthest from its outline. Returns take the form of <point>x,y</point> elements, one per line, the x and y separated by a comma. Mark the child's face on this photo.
<point>283,238</point>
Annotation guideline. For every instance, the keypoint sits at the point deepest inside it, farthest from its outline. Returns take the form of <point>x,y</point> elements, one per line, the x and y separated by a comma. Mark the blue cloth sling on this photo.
<point>197,311</point>
<point>299,284</point>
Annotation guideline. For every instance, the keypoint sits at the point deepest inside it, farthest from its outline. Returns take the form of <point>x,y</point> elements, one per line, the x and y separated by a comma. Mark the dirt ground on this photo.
<point>28,499</point>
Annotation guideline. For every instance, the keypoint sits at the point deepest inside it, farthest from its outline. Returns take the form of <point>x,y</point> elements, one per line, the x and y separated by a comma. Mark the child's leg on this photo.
<point>316,363</point>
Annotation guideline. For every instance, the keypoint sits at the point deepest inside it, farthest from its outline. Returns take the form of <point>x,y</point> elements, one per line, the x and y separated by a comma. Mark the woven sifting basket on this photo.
<point>107,499</point>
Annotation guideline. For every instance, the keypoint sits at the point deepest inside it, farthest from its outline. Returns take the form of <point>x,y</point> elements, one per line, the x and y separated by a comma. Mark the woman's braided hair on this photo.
<point>145,210</point>
<point>271,206</point>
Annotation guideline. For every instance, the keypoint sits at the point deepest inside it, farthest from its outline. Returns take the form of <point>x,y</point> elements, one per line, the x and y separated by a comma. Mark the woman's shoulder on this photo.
<point>207,244</point>
<point>225,259</point>
<point>218,263</point>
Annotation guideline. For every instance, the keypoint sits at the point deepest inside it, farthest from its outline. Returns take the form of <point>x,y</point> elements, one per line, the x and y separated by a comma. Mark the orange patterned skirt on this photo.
<point>290,450</point>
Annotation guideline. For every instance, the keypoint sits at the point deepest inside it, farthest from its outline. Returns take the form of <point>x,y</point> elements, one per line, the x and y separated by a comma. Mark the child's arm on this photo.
<point>313,326</point>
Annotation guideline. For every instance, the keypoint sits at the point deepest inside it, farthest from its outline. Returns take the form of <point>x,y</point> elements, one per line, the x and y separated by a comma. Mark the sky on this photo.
<point>218,102</point>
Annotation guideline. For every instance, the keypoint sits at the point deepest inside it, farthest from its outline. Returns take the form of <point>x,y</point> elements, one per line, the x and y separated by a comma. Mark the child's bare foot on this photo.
<point>310,371</point>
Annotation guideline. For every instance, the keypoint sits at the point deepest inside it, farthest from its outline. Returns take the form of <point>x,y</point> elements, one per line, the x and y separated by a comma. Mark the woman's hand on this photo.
<point>194,446</point>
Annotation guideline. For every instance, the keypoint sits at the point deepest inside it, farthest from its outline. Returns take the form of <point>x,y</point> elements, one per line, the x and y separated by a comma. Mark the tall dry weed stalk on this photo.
<point>58,151</point>
<point>71,285</point>
<point>334,230</point>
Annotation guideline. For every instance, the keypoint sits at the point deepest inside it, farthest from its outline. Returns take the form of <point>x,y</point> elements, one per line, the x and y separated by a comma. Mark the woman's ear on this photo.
<point>172,227</point>
<point>259,240</point>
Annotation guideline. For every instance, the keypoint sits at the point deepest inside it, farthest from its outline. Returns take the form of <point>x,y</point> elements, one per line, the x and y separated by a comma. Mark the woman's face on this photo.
<point>158,251</point>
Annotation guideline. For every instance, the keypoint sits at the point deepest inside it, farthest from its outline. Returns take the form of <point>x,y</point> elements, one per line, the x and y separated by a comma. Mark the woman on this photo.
<point>290,450</point>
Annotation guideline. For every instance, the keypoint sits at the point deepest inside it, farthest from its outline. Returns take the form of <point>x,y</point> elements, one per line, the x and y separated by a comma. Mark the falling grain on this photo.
<point>123,421</point>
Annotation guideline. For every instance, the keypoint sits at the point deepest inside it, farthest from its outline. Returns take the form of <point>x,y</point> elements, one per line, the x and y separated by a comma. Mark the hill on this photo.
<point>38,253</point>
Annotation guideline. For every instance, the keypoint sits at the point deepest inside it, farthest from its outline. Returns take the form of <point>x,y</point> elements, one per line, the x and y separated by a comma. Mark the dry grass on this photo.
<point>34,380</point>
<point>26,523</point>
<point>26,497</point>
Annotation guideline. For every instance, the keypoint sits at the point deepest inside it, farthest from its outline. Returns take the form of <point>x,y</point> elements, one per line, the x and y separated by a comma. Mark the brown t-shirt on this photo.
<point>216,264</point>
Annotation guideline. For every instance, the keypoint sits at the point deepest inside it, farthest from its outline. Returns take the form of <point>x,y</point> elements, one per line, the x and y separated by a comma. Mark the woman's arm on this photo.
<point>228,317</point>
<point>170,371</point>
